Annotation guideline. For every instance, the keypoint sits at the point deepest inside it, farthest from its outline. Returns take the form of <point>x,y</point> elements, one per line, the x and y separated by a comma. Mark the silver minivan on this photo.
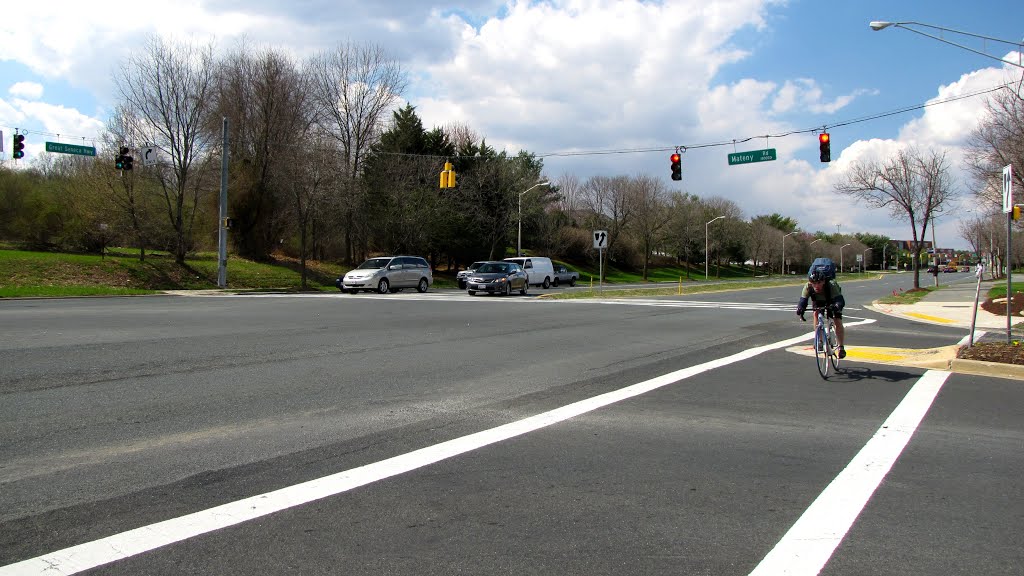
<point>388,274</point>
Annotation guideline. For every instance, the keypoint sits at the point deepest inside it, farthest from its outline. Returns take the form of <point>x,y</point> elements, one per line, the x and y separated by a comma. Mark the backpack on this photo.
<point>825,266</point>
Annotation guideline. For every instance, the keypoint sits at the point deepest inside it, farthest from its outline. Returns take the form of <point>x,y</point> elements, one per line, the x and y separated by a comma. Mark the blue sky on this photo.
<point>573,76</point>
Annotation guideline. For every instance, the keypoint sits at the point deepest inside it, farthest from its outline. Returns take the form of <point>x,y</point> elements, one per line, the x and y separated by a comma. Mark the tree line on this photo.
<point>325,162</point>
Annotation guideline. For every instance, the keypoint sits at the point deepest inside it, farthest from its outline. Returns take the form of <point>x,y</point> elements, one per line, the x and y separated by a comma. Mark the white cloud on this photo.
<point>60,120</point>
<point>627,68</point>
<point>28,90</point>
<point>947,121</point>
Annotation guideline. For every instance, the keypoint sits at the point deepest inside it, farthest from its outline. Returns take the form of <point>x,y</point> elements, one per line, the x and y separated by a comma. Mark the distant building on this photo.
<point>908,245</point>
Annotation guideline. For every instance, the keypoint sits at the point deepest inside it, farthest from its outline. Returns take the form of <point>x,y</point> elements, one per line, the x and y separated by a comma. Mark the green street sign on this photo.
<point>70,149</point>
<point>752,156</point>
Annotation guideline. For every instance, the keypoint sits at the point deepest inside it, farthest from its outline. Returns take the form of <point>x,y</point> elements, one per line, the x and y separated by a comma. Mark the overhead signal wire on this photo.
<point>683,147</point>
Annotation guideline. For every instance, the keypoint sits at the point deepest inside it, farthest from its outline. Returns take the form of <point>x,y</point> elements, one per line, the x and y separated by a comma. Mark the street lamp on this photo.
<point>519,236</point>
<point>864,263</point>
<point>841,256</point>
<point>784,251</point>
<point>881,25</point>
<point>706,245</point>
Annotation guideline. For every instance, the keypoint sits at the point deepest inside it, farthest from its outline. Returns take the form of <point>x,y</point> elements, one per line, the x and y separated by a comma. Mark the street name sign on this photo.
<point>752,156</point>
<point>70,149</point>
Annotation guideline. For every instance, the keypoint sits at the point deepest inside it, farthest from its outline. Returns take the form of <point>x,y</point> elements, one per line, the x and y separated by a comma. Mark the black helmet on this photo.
<point>815,276</point>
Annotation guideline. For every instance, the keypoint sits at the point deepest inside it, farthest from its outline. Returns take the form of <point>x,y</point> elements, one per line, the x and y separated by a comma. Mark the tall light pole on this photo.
<point>881,25</point>
<point>706,245</point>
<point>841,256</point>
<point>519,235</point>
<point>784,251</point>
<point>864,263</point>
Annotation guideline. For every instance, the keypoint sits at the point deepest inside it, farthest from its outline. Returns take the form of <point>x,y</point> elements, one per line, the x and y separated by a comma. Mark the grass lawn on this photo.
<point>119,272</point>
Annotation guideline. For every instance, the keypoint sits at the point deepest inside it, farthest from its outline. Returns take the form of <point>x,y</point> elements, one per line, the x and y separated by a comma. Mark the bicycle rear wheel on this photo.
<point>821,348</point>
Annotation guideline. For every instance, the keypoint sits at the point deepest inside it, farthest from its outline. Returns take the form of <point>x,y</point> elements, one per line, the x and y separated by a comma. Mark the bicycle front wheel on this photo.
<point>833,344</point>
<point>821,349</point>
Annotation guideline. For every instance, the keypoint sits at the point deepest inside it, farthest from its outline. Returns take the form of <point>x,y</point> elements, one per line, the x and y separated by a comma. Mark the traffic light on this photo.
<point>1016,211</point>
<point>448,176</point>
<point>677,166</point>
<point>825,147</point>
<point>128,162</point>
<point>121,159</point>
<point>18,150</point>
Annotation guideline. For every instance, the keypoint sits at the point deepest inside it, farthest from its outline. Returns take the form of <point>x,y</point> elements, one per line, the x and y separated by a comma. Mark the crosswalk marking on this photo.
<point>463,297</point>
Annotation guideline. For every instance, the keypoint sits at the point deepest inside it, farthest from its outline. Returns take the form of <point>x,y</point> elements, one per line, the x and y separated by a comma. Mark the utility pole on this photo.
<point>222,235</point>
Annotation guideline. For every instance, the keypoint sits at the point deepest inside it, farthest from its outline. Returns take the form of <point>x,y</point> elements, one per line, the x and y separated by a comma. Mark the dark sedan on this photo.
<point>498,278</point>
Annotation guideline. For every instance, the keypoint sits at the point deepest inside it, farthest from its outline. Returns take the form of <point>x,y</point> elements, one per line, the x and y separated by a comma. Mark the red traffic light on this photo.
<point>677,166</point>
<point>825,147</point>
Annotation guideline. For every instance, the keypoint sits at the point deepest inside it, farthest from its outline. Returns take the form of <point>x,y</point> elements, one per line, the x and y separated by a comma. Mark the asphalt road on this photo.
<point>488,435</point>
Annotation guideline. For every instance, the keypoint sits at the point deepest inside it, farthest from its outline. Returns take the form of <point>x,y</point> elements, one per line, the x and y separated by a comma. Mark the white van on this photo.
<point>539,270</point>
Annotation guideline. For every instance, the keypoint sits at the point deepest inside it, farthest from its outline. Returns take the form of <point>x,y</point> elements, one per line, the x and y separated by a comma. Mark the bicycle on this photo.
<point>826,341</point>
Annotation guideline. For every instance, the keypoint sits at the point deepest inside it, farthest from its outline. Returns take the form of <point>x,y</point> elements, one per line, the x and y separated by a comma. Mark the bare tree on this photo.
<point>914,186</point>
<point>353,88</point>
<point>570,195</point>
<point>731,230</point>
<point>461,135</point>
<point>611,200</point>
<point>686,229</point>
<point>132,198</point>
<point>763,242</point>
<point>986,234</point>
<point>168,97</point>
<point>262,93</point>
<point>997,141</point>
<point>652,215</point>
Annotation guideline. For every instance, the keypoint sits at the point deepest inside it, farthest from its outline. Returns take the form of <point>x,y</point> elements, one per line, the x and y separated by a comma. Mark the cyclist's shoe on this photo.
<point>842,352</point>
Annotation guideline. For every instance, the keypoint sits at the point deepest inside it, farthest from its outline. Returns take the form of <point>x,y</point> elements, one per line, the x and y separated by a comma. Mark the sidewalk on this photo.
<point>953,305</point>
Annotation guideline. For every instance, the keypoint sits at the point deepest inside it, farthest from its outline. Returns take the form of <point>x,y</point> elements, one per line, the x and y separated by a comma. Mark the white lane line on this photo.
<point>703,304</point>
<point>810,542</point>
<point>133,542</point>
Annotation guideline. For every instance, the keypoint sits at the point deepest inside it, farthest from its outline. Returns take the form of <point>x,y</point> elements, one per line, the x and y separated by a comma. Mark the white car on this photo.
<point>463,275</point>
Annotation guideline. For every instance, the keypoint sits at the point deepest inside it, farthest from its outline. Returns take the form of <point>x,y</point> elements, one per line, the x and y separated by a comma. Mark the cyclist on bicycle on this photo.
<point>824,295</point>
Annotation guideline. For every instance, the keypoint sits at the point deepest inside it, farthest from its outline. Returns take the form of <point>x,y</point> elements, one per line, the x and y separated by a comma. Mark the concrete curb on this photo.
<point>956,365</point>
<point>982,368</point>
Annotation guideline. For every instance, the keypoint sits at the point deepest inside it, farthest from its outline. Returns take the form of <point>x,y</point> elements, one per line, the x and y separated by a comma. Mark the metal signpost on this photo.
<point>600,242</point>
<point>1008,208</point>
